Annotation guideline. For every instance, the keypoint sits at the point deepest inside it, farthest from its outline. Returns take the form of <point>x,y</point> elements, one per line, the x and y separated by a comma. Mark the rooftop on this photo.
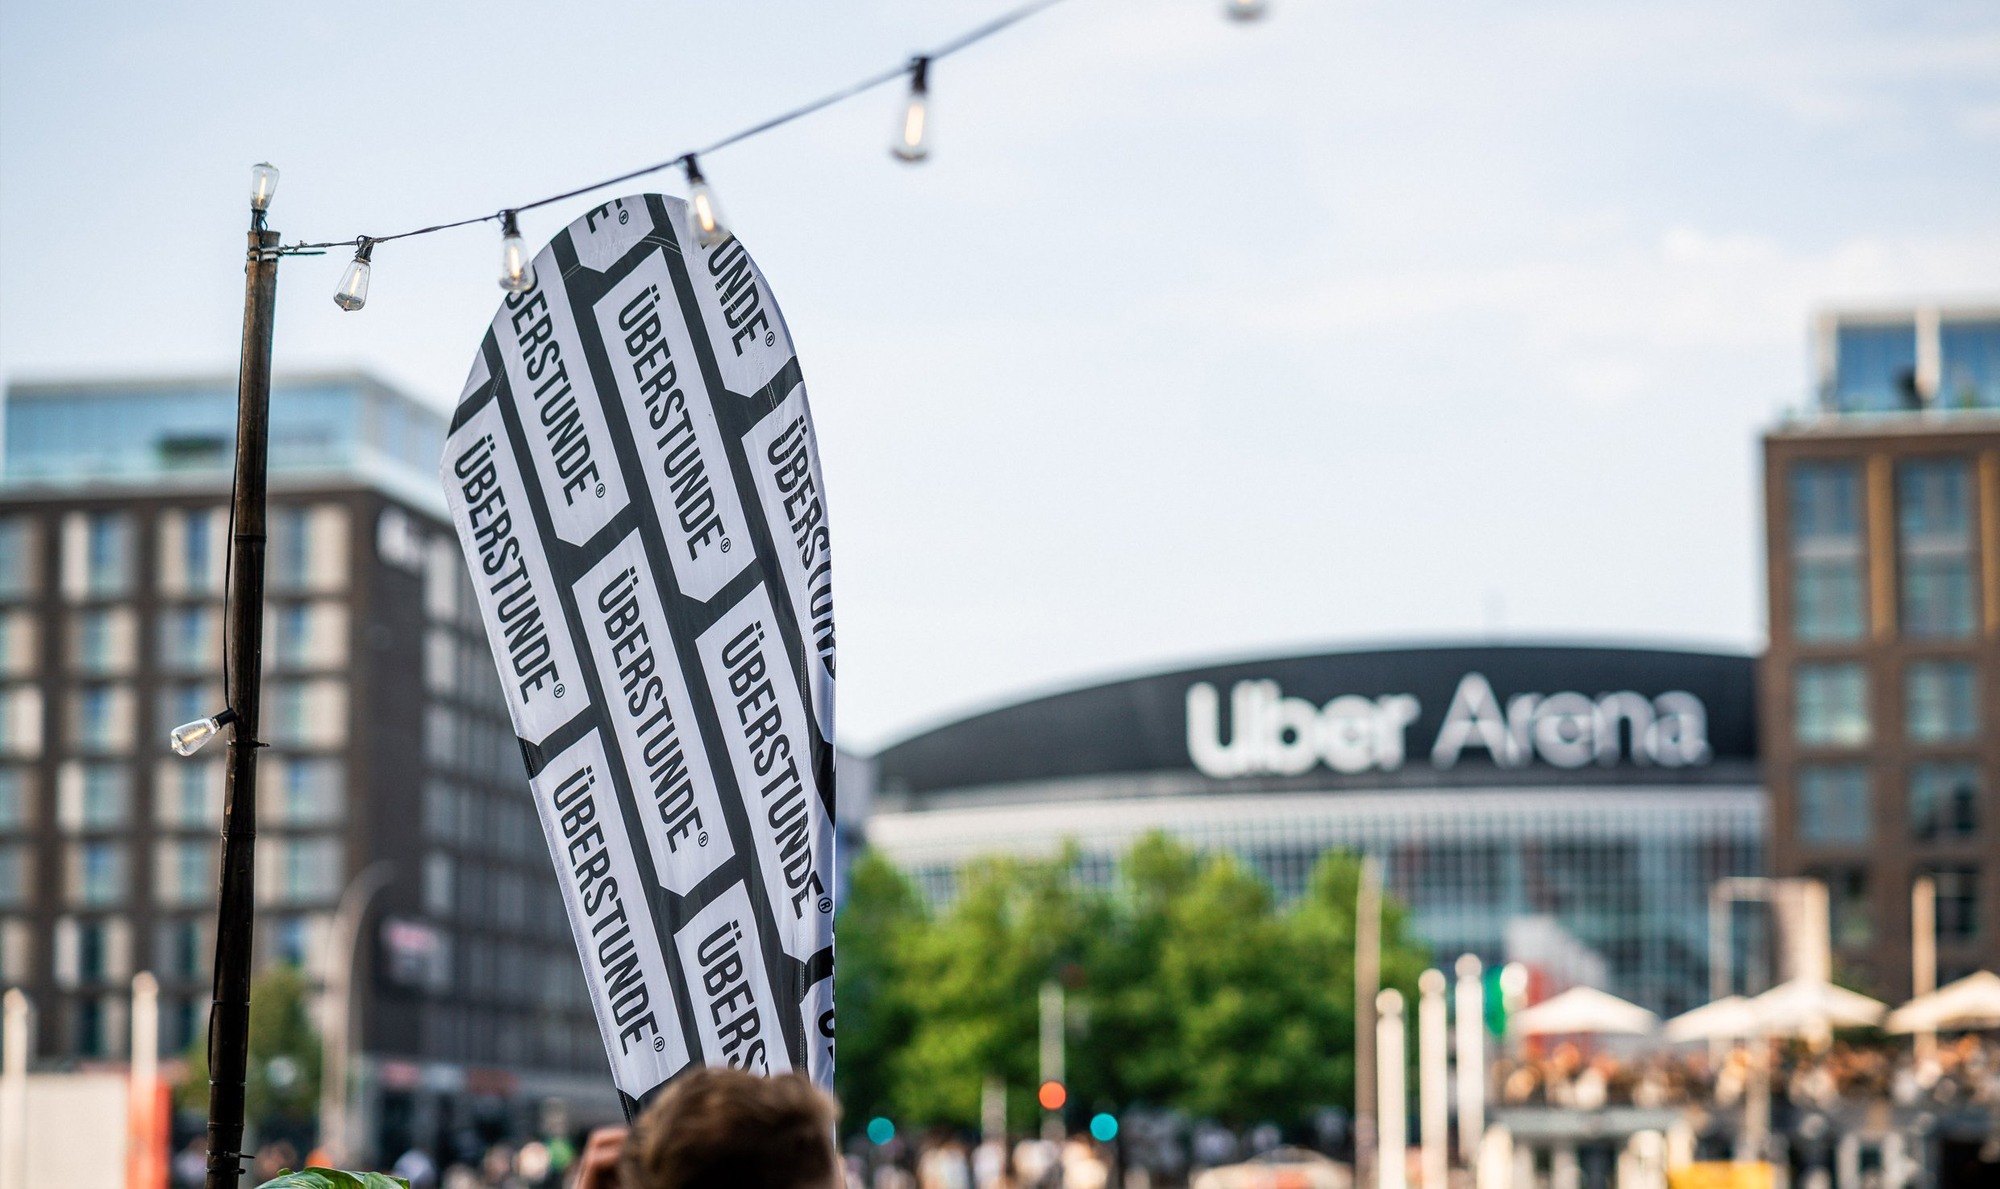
<point>1890,363</point>
<point>182,432</point>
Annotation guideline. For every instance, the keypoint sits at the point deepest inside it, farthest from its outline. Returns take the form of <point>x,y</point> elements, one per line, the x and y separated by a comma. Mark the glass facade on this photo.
<point>1828,599</point>
<point>70,433</point>
<point>1831,704</point>
<point>1935,547</point>
<point>1944,360</point>
<point>1944,800</point>
<point>1941,702</point>
<point>1970,353</point>
<point>1877,368</point>
<point>1833,803</point>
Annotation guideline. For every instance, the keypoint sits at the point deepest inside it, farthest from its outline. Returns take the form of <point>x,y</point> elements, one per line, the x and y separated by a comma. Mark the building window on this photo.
<point>1827,551</point>
<point>185,871</point>
<point>306,713</point>
<point>199,554</point>
<point>1847,906</point>
<point>1970,372</point>
<point>21,721</point>
<point>190,638</point>
<point>103,641</point>
<point>309,792</point>
<point>93,797</point>
<point>18,640</point>
<point>97,873</point>
<point>438,884</point>
<point>187,793</point>
<point>1833,803</point>
<point>1944,801</point>
<point>1957,903</point>
<point>294,634</point>
<point>106,557</point>
<point>1934,539</point>
<point>1875,368</point>
<point>18,569</point>
<point>16,874</point>
<point>291,547</point>
<point>180,951</point>
<point>1941,701</point>
<point>103,719</point>
<point>1832,704</point>
<point>16,812</point>
<point>308,869</point>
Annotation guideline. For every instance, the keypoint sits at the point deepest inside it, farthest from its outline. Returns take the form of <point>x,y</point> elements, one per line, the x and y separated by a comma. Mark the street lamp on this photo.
<point>229,1010</point>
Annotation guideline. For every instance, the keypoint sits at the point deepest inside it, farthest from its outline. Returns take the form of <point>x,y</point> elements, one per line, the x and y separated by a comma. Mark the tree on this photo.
<point>882,908</point>
<point>1188,987</point>
<point>282,1082</point>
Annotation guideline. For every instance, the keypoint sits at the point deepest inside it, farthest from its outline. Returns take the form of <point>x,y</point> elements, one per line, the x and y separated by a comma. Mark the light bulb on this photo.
<point>353,291</point>
<point>263,184</point>
<point>516,274</point>
<point>704,217</point>
<point>188,737</point>
<point>1244,10</point>
<point>910,144</point>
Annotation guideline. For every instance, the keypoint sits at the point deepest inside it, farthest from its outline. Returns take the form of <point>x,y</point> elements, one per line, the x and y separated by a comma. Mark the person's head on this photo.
<point>717,1127</point>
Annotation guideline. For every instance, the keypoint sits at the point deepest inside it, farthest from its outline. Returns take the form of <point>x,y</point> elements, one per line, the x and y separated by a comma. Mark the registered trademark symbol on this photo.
<point>826,904</point>
<point>725,544</point>
<point>659,1042</point>
<point>600,491</point>
<point>559,689</point>
<point>701,839</point>
<point>625,216</point>
<point>770,337</point>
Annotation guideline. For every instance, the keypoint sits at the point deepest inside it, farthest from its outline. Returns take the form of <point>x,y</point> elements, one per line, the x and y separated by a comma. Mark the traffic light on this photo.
<point>1103,1127</point>
<point>1052,1096</point>
<point>1496,1001</point>
<point>880,1131</point>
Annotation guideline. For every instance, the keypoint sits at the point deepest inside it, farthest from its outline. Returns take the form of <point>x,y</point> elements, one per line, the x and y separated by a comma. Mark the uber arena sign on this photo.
<point>634,479</point>
<point>1271,734</point>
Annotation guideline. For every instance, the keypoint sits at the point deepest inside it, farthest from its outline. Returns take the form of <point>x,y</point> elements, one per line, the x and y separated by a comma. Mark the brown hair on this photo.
<point>717,1127</point>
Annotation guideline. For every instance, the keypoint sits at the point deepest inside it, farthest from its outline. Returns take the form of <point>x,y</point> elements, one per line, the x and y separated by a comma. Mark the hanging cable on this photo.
<point>1004,21</point>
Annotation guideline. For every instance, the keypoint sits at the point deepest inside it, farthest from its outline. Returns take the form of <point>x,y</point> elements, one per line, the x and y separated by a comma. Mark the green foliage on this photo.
<point>333,1178</point>
<point>284,1068</point>
<point>1187,986</point>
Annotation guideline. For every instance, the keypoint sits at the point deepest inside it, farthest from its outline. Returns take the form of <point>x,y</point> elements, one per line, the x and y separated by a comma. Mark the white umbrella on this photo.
<point>1582,1009</point>
<point>1727,1018</point>
<point>1808,1007</point>
<point>1971,1002</point>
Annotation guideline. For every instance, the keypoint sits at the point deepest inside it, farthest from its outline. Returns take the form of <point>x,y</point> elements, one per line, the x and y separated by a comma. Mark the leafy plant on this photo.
<point>333,1178</point>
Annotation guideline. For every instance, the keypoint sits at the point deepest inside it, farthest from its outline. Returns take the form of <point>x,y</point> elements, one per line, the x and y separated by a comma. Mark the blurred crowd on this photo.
<point>1964,1071</point>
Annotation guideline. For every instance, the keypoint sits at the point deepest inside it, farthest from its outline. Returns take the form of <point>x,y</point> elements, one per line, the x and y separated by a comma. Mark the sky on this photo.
<point>1366,322</point>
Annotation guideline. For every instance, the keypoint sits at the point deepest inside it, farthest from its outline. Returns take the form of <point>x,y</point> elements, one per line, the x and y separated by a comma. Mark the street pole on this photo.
<point>1392,1150</point>
<point>339,980</point>
<point>1052,1054</point>
<point>17,1037</point>
<point>1471,994</point>
<point>1923,955</point>
<point>229,1012</point>
<point>1433,1098</point>
<point>1367,980</point>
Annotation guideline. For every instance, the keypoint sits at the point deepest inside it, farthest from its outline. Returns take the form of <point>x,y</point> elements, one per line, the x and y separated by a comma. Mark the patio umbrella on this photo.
<point>1971,1002</point>
<point>1809,1007</point>
<point>1725,1019</point>
<point>1582,1009</point>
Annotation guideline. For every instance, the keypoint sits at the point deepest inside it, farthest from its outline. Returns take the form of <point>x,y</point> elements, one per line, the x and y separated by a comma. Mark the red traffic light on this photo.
<point>1052,1096</point>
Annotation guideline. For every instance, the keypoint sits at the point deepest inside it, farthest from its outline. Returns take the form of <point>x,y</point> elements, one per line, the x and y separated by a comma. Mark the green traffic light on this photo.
<point>880,1131</point>
<point>1103,1128</point>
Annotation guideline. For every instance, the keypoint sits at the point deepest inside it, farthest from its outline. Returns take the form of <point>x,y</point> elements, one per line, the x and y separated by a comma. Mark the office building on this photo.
<point>1882,689</point>
<point>389,744</point>
<point>1565,806</point>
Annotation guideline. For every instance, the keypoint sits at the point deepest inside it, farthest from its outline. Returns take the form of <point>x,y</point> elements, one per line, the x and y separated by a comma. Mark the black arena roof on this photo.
<point>1567,713</point>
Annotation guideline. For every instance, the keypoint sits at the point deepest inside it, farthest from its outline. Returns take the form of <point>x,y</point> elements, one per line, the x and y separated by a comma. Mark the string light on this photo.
<point>704,219</point>
<point>516,274</point>
<point>188,737</point>
<point>353,291</point>
<point>910,145</point>
<point>263,184</point>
